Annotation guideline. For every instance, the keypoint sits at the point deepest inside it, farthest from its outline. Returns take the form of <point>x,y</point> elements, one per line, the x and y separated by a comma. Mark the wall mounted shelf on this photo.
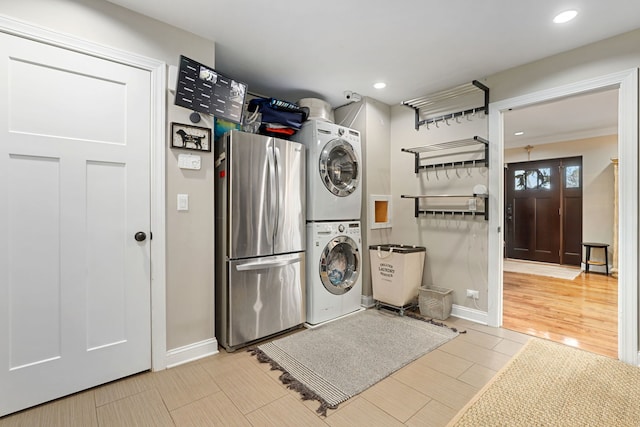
<point>445,211</point>
<point>458,147</point>
<point>456,104</point>
<point>452,104</point>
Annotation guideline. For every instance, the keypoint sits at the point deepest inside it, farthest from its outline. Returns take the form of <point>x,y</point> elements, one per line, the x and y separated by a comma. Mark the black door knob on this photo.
<point>140,236</point>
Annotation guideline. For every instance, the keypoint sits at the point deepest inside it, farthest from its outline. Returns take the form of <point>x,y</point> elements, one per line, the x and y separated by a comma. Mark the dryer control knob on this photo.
<point>341,228</point>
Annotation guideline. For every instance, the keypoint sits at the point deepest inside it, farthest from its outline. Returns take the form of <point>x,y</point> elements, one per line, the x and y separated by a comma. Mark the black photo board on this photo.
<point>203,89</point>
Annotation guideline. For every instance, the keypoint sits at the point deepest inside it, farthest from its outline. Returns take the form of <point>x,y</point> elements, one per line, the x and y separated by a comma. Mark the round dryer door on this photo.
<point>340,265</point>
<point>339,167</point>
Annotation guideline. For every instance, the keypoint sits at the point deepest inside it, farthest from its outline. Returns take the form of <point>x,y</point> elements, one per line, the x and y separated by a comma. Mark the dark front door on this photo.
<point>543,206</point>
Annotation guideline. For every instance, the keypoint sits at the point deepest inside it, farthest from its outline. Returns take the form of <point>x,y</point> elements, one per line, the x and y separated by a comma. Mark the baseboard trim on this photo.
<point>367,301</point>
<point>470,314</point>
<point>189,353</point>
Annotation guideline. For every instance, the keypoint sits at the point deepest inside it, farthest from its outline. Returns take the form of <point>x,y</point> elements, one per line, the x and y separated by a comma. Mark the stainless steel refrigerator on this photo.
<point>260,237</point>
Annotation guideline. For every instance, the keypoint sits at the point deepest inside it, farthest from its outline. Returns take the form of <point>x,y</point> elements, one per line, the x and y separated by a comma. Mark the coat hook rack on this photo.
<point>474,93</point>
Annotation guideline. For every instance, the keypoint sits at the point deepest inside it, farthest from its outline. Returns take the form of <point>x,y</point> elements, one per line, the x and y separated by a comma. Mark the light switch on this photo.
<point>189,161</point>
<point>183,202</point>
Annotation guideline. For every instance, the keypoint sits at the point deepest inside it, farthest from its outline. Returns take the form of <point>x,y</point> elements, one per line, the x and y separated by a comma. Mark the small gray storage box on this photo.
<point>396,272</point>
<point>435,302</point>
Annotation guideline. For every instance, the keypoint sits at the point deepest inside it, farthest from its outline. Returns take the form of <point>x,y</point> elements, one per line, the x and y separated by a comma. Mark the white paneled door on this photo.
<point>74,191</point>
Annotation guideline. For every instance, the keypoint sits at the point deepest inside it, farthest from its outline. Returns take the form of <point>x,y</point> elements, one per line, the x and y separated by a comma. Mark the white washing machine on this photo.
<point>334,171</point>
<point>334,282</point>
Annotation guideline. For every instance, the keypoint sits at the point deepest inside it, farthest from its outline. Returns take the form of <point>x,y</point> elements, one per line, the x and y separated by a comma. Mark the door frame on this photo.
<point>627,83</point>
<point>157,157</point>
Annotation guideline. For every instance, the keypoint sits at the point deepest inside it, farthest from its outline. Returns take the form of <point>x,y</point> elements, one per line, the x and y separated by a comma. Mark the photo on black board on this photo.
<point>203,89</point>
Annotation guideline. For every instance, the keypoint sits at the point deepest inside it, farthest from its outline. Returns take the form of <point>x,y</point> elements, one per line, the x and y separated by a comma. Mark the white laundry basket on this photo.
<point>396,273</point>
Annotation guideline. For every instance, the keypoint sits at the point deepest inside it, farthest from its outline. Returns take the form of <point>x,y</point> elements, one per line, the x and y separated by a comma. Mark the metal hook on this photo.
<point>436,122</point>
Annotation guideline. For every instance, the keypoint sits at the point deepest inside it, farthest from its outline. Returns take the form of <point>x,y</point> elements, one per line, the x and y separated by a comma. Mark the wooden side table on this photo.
<point>588,262</point>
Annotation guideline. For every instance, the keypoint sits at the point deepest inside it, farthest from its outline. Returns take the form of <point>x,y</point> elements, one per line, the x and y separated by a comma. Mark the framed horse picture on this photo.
<point>190,137</point>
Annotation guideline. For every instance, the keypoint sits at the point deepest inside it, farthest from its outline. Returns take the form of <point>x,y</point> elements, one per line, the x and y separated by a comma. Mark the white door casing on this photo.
<point>75,134</point>
<point>627,83</point>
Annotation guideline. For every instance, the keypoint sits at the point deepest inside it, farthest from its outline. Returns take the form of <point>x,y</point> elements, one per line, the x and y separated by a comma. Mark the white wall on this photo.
<point>372,119</point>
<point>456,246</point>
<point>189,287</point>
<point>598,59</point>
<point>597,188</point>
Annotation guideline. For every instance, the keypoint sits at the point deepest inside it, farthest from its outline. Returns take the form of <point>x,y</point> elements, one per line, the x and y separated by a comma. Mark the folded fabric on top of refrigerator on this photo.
<point>279,111</point>
<point>275,129</point>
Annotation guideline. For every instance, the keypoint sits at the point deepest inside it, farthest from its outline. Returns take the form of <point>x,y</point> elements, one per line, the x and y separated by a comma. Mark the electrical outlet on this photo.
<point>473,294</point>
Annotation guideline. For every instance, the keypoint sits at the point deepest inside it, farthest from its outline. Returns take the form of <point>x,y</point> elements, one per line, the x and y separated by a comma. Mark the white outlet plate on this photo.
<point>183,202</point>
<point>473,294</point>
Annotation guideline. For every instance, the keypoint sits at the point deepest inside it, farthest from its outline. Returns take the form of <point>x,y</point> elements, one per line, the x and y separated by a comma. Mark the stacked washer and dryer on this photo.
<point>334,198</point>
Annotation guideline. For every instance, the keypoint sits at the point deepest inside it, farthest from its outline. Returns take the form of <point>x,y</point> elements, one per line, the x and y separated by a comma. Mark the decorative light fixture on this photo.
<point>528,148</point>
<point>380,85</point>
<point>519,133</point>
<point>565,16</point>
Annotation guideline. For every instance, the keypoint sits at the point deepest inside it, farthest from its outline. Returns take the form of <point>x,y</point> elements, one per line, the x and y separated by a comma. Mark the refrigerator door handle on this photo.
<point>261,265</point>
<point>272,221</point>
<point>278,174</point>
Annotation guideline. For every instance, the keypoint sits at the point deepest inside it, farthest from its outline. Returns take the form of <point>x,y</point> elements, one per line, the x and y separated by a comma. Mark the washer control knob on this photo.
<point>341,228</point>
<point>340,131</point>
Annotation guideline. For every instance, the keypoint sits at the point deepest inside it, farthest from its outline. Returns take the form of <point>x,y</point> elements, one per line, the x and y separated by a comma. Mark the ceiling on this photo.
<point>577,117</point>
<point>292,49</point>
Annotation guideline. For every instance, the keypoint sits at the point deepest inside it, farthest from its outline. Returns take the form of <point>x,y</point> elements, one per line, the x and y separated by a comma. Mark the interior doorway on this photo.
<point>627,84</point>
<point>544,220</point>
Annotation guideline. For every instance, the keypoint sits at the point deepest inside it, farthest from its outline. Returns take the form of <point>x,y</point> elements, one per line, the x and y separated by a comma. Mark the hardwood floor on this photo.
<point>582,313</point>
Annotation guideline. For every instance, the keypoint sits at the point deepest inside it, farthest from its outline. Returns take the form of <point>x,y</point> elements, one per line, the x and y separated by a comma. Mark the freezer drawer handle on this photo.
<point>262,265</point>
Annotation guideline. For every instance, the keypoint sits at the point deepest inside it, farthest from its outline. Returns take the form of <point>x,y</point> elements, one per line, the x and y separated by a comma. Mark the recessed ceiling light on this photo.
<point>380,85</point>
<point>519,133</point>
<point>565,16</point>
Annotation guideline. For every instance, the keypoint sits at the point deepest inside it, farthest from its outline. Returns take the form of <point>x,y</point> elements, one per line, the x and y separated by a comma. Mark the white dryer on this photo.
<point>334,171</point>
<point>334,282</point>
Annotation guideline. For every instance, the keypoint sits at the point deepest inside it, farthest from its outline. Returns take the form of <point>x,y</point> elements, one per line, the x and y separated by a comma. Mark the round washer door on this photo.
<point>339,167</point>
<point>340,265</point>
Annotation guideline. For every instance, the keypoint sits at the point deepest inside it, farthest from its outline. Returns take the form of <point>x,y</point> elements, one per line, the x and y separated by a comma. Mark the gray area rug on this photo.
<point>340,359</point>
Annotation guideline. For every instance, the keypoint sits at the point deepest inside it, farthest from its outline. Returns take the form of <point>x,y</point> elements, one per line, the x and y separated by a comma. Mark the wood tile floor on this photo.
<point>234,389</point>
